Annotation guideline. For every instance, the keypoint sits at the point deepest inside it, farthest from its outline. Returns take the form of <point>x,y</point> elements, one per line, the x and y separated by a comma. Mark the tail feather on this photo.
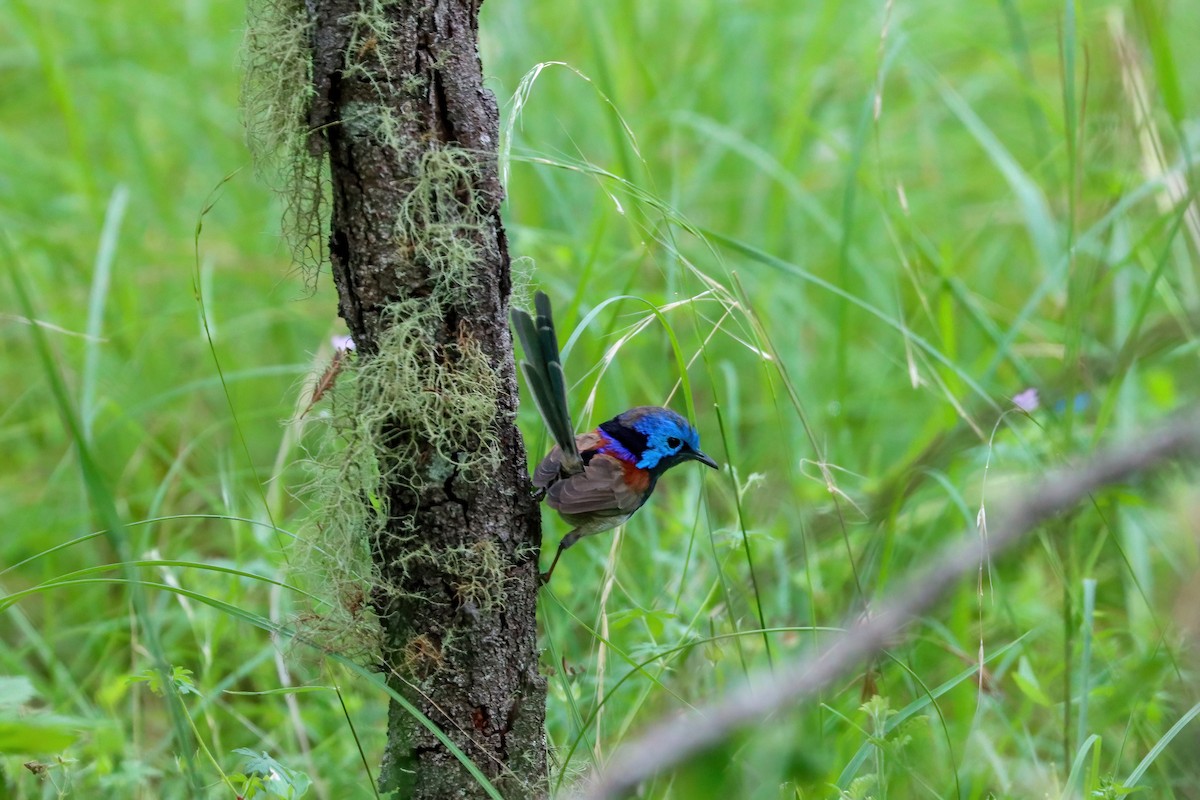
<point>544,375</point>
<point>548,340</point>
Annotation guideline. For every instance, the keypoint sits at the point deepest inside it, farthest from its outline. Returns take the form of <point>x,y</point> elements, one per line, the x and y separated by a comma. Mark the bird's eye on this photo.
<point>672,442</point>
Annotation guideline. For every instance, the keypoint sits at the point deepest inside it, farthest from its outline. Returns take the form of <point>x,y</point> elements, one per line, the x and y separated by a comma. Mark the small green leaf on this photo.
<point>263,774</point>
<point>181,678</point>
<point>1027,682</point>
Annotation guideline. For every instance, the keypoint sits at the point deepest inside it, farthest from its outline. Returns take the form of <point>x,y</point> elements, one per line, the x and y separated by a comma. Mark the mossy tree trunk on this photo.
<point>421,266</point>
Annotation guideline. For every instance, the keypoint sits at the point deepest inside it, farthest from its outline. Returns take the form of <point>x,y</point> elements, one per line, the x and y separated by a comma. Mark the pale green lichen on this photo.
<point>277,92</point>
<point>277,81</point>
<point>370,30</point>
<point>429,405</point>
<point>440,223</point>
<point>477,574</point>
<point>417,413</point>
<point>521,277</point>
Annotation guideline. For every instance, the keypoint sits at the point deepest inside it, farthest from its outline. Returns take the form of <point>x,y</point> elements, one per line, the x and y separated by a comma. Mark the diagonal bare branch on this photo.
<point>670,742</point>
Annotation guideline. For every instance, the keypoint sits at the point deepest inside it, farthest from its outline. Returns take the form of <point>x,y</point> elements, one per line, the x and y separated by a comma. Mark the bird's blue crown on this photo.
<point>648,435</point>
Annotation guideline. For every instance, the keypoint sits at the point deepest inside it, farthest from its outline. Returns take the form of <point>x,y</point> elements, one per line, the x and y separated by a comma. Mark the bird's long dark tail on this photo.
<point>544,376</point>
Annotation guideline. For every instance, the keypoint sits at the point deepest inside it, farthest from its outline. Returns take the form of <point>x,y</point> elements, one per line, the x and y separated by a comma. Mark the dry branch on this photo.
<point>670,742</point>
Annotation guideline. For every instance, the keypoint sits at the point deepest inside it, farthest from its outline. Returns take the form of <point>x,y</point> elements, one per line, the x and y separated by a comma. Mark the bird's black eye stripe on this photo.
<point>673,442</point>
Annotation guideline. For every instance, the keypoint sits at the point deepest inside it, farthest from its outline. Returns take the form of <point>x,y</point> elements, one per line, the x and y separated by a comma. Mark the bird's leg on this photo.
<point>568,540</point>
<point>538,495</point>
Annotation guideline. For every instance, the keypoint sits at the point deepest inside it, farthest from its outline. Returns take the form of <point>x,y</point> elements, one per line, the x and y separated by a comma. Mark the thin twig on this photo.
<point>668,743</point>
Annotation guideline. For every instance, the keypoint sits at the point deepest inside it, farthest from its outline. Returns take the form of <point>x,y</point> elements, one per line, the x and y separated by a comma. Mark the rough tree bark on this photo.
<point>411,137</point>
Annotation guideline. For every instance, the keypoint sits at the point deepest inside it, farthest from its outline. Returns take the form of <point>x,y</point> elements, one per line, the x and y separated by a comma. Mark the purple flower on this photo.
<point>1027,400</point>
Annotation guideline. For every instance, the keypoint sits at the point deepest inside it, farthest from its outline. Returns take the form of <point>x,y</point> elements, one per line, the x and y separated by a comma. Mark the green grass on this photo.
<point>861,246</point>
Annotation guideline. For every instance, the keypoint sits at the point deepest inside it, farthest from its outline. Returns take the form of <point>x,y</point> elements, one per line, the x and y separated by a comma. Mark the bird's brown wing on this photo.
<point>550,468</point>
<point>604,487</point>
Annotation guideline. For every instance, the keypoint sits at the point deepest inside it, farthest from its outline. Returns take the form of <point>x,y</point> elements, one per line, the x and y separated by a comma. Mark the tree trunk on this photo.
<point>421,266</point>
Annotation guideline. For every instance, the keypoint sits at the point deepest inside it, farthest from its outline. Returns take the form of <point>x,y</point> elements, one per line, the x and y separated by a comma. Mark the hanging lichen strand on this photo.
<point>277,93</point>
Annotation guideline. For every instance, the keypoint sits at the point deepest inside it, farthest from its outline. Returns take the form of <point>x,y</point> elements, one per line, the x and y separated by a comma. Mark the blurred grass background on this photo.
<point>870,226</point>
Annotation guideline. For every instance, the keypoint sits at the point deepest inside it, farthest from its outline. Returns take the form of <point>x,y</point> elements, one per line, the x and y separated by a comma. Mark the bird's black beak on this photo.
<point>696,455</point>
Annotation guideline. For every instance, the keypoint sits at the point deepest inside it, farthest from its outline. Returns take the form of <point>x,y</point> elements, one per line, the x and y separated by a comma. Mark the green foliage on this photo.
<point>863,243</point>
<point>180,677</point>
<point>263,776</point>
